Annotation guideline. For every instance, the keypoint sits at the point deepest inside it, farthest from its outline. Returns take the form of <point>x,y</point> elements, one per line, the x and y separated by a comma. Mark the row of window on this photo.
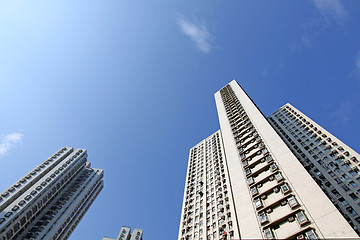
<point>36,173</point>
<point>290,113</point>
<point>327,164</point>
<point>339,160</point>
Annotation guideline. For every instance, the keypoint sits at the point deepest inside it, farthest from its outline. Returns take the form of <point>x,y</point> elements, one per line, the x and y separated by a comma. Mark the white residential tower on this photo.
<point>243,182</point>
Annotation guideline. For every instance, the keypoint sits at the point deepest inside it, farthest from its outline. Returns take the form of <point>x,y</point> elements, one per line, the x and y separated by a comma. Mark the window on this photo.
<point>273,167</point>
<point>285,188</point>
<point>258,203</point>
<point>22,221</point>
<point>353,184</point>
<point>263,218</point>
<point>9,234</point>
<point>16,227</point>
<point>353,173</point>
<point>8,214</point>
<point>353,196</point>
<point>311,234</point>
<point>292,202</point>
<point>34,209</point>
<point>28,214</point>
<point>254,190</point>
<point>268,233</point>
<point>5,194</point>
<point>301,218</point>
<point>346,188</point>
<point>250,180</point>
<point>279,177</point>
<point>338,180</point>
<point>15,208</point>
<point>344,176</point>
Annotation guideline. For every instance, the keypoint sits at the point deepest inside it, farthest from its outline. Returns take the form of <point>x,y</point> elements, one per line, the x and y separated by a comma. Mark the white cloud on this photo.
<point>198,33</point>
<point>331,8</point>
<point>9,141</point>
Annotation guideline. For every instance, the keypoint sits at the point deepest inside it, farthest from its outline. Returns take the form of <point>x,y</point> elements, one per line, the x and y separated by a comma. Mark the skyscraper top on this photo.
<point>49,202</point>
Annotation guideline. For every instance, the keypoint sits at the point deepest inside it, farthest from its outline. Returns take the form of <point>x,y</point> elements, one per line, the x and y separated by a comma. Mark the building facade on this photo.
<point>268,193</point>
<point>331,163</point>
<point>50,200</point>
<point>125,234</point>
<point>208,207</point>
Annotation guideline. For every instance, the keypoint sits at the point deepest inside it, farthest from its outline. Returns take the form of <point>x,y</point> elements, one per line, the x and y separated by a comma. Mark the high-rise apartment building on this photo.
<point>208,206</point>
<point>51,199</point>
<point>125,234</point>
<point>243,182</point>
<point>331,163</point>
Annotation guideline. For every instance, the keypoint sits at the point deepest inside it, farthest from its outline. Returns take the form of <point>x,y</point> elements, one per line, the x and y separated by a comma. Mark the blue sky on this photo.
<point>133,82</point>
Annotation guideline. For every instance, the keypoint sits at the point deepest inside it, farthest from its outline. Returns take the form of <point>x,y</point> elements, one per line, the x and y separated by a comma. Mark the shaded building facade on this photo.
<point>331,163</point>
<point>51,199</point>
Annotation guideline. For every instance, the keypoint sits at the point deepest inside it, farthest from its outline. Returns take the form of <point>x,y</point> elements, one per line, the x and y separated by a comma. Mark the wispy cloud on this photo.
<point>357,63</point>
<point>273,68</point>
<point>9,141</point>
<point>310,33</point>
<point>356,71</point>
<point>198,33</point>
<point>327,12</point>
<point>343,112</point>
<point>331,9</point>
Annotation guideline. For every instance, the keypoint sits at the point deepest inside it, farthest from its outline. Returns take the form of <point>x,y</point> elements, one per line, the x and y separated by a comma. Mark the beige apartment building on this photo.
<point>243,182</point>
<point>208,206</point>
<point>332,164</point>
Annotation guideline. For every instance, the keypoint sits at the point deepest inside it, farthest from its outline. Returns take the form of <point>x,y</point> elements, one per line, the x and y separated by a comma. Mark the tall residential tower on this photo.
<point>243,182</point>
<point>208,205</point>
<point>51,199</point>
<point>331,163</point>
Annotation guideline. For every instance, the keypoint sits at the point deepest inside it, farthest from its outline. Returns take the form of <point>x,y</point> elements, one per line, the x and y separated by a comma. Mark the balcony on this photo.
<point>288,230</point>
<point>263,176</point>
<point>273,198</point>
<point>283,214</point>
<point>257,169</point>
<point>255,159</point>
<point>251,152</point>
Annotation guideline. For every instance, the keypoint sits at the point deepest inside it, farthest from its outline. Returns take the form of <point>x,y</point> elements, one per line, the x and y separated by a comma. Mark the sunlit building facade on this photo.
<point>50,200</point>
<point>262,191</point>
<point>331,163</point>
<point>208,208</point>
